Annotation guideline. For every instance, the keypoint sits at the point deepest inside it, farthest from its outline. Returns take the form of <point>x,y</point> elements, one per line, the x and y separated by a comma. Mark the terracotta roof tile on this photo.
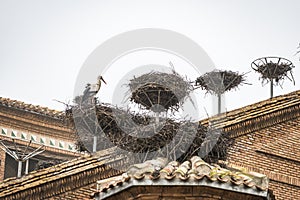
<point>43,183</point>
<point>31,108</point>
<point>279,108</point>
<point>189,171</point>
<point>258,115</point>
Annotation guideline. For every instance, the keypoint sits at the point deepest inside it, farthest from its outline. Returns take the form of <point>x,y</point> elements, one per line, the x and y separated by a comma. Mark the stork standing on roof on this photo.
<point>92,89</point>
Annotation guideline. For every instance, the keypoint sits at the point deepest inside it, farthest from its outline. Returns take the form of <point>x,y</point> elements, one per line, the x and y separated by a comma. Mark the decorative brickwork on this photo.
<point>266,134</point>
<point>23,122</point>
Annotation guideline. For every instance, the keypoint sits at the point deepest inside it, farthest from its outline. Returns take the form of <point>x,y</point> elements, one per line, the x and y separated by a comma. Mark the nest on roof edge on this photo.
<point>186,138</point>
<point>156,88</point>
<point>218,81</point>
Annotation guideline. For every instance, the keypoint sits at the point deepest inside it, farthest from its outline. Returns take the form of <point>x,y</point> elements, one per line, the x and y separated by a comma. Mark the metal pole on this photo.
<point>19,169</point>
<point>157,118</point>
<point>219,103</point>
<point>95,144</point>
<point>271,88</point>
<point>26,166</point>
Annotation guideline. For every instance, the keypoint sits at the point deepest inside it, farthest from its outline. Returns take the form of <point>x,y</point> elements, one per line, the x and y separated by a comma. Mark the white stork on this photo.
<point>92,89</point>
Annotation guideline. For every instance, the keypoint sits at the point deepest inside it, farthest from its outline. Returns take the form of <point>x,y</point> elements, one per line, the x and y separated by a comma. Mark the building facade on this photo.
<point>266,136</point>
<point>25,127</point>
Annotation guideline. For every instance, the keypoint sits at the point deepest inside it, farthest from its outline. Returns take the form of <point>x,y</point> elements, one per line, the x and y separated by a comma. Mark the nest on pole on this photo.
<point>113,126</point>
<point>273,68</point>
<point>218,82</point>
<point>156,88</point>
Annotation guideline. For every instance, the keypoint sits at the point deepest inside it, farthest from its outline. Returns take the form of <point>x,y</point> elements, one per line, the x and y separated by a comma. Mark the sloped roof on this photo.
<point>82,193</point>
<point>31,108</point>
<point>193,172</point>
<point>258,115</point>
<point>269,111</point>
<point>84,171</point>
<point>60,178</point>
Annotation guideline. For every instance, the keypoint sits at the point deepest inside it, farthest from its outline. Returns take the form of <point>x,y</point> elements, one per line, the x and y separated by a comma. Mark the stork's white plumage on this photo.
<point>96,87</point>
<point>92,89</point>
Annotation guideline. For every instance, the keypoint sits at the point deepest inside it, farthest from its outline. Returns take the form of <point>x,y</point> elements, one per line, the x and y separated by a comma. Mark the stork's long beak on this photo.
<point>103,80</point>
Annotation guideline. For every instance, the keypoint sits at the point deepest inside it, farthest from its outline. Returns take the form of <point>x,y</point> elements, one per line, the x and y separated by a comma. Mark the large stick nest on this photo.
<point>218,81</point>
<point>273,68</point>
<point>156,88</point>
<point>187,137</point>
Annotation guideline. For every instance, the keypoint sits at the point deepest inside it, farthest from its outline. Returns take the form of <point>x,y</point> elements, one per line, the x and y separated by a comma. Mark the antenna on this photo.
<point>218,82</point>
<point>273,69</point>
<point>21,155</point>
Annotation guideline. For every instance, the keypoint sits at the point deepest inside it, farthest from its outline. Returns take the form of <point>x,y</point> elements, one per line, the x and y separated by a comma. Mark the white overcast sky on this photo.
<point>43,43</point>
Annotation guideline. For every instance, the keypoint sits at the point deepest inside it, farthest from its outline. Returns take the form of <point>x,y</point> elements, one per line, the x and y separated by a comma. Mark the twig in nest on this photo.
<point>273,68</point>
<point>218,81</point>
<point>187,137</point>
<point>156,88</point>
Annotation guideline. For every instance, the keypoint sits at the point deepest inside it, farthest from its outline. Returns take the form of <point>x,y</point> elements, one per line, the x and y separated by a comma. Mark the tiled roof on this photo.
<point>61,178</point>
<point>31,108</point>
<point>82,193</point>
<point>257,116</point>
<point>253,117</point>
<point>191,172</point>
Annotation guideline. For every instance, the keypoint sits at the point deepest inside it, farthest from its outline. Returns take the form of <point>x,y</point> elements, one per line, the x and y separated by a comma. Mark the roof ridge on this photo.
<point>187,172</point>
<point>37,109</point>
<point>48,177</point>
<point>269,108</point>
<point>217,118</point>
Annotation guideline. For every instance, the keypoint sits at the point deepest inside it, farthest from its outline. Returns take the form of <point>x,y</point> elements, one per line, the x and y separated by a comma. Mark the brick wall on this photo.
<point>39,126</point>
<point>272,151</point>
<point>2,164</point>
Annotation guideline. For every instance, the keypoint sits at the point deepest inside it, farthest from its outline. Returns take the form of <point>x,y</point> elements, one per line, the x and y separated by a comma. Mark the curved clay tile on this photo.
<point>31,108</point>
<point>169,169</point>
<point>194,169</point>
<point>183,168</point>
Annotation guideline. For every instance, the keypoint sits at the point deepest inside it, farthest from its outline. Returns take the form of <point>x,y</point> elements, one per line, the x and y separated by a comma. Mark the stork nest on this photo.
<point>270,70</point>
<point>157,88</point>
<point>218,82</point>
<point>187,137</point>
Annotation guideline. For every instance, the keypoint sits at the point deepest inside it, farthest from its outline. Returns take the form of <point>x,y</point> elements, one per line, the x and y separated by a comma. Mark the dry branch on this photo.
<point>164,89</point>
<point>218,82</point>
<point>269,70</point>
<point>187,138</point>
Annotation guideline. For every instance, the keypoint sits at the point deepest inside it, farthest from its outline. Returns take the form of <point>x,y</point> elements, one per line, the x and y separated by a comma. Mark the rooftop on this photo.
<point>72,174</point>
<point>31,108</point>
<point>84,171</point>
<point>193,172</point>
<point>258,115</point>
